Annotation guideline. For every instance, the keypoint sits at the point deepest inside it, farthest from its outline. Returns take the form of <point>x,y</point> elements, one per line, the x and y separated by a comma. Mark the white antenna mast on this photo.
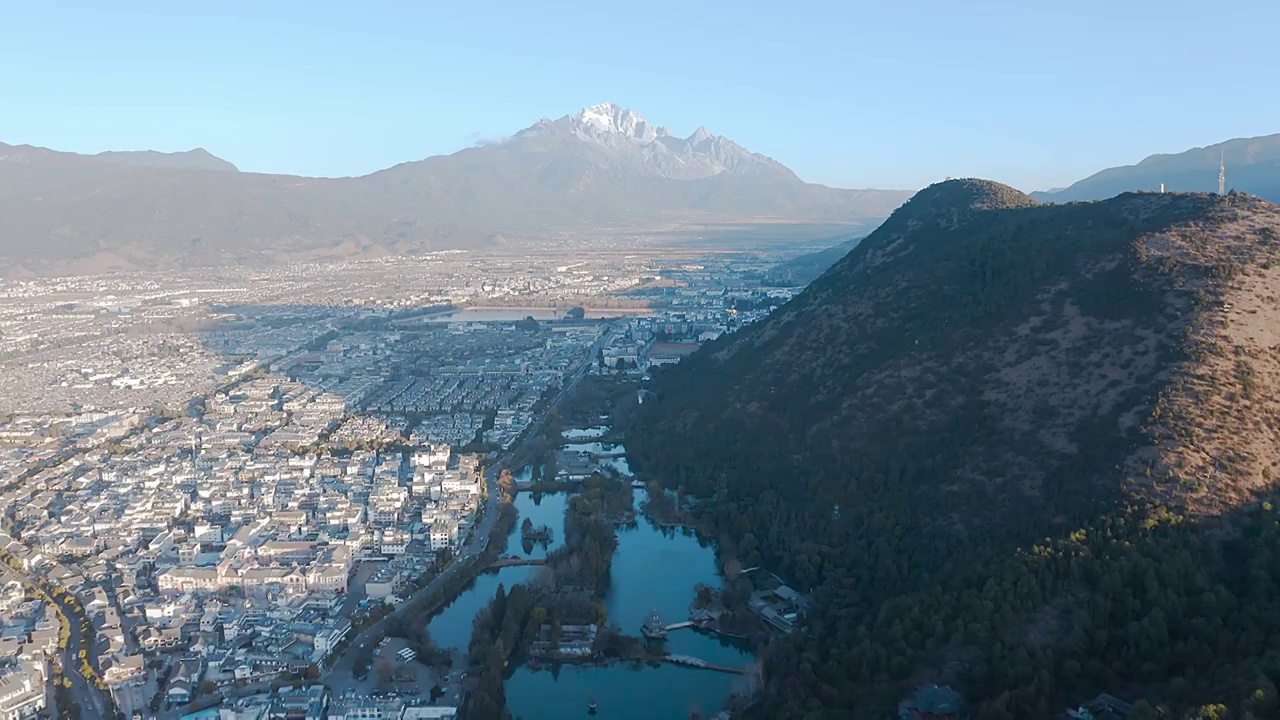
<point>1222,173</point>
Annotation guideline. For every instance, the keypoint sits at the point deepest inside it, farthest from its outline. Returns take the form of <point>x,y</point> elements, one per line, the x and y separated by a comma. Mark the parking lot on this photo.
<point>390,674</point>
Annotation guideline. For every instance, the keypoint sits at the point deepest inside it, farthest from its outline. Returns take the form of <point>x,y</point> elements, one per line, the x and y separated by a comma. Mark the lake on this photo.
<point>451,628</point>
<point>543,509</point>
<point>653,569</point>
<point>589,433</point>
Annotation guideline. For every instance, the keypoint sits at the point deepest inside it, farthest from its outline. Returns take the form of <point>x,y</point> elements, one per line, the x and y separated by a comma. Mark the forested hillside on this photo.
<point>1022,449</point>
<point>806,268</point>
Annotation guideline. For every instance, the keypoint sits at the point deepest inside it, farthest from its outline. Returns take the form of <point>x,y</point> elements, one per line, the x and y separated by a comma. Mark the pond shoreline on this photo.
<point>654,567</point>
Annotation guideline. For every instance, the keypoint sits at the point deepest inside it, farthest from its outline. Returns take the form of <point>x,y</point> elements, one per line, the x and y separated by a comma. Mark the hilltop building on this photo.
<point>1102,707</point>
<point>780,608</point>
<point>932,702</point>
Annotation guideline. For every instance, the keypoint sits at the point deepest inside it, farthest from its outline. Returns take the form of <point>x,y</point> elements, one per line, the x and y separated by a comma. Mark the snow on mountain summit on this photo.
<point>634,143</point>
<point>607,118</point>
<point>611,119</point>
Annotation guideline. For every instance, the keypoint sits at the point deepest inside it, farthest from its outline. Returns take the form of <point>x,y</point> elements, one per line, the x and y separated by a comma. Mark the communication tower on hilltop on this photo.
<point>1222,173</point>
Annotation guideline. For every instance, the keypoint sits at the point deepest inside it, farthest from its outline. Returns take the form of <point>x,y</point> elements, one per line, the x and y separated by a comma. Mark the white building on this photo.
<point>429,712</point>
<point>332,634</point>
<point>442,535</point>
<point>394,542</point>
<point>434,456</point>
<point>453,482</point>
<point>22,691</point>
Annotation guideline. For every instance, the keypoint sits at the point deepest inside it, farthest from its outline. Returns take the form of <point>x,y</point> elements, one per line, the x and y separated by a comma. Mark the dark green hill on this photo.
<point>989,438</point>
<point>804,269</point>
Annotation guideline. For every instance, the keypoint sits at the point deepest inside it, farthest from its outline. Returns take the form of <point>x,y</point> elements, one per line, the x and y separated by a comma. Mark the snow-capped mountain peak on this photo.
<point>610,119</point>
<point>625,139</point>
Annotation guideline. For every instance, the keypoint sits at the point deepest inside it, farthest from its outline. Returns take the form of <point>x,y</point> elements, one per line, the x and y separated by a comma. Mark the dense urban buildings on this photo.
<point>218,473</point>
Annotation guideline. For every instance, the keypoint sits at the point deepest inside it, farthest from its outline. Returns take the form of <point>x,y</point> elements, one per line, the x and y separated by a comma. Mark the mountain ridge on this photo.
<point>605,166</point>
<point>1252,165</point>
<point>193,159</point>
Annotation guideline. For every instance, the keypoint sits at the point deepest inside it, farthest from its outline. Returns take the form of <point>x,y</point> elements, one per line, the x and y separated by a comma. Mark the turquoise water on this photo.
<point>653,569</point>
<point>543,509</point>
<point>620,465</point>
<point>452,626</point>
<point>623,692</point>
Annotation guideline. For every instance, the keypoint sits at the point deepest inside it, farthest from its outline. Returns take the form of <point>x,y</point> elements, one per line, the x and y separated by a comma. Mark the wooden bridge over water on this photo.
<point>694,662</point>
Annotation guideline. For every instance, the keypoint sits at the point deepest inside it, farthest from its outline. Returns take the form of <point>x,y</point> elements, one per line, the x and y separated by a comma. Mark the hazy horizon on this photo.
<point>883,97</point>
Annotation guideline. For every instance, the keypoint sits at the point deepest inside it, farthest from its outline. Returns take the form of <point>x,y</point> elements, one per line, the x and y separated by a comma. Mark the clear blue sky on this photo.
<point>853,94</point>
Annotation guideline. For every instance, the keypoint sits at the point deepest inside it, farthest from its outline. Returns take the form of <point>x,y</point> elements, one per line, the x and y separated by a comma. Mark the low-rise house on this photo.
<point>394,542</point>
<point>183,683</point>
<point>780,608</point>
<point>575,641</point>
<point>574,466</point>
<point>382,583</point>
<point>309,703</point>
<point>129,668</point>
<point>330,635</point>
<point>357,708</point>
<point>23,690</point>
<point>179,692</point>
<point>443,534</point>
<point>153,639</point>
<point>43,641</point>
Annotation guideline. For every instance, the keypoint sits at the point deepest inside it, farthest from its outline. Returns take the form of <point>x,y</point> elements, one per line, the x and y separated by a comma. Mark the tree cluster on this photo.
<point>505,626</point>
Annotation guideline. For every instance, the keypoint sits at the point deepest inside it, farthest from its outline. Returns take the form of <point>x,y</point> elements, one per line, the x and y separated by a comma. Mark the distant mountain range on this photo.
<point>1253,166</point>
<point>603,166</point>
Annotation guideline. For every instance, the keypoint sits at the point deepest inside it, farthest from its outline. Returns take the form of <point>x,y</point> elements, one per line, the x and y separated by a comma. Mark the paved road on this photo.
<point>480,535</point>
<point>92,704</point>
